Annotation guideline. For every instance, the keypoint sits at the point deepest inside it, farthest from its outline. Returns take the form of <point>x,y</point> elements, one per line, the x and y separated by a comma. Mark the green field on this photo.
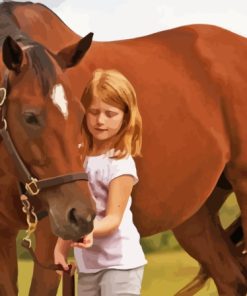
<point>165,274</point>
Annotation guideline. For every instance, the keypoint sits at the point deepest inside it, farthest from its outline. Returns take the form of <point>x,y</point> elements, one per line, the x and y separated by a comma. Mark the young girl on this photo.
<point>110,260</point>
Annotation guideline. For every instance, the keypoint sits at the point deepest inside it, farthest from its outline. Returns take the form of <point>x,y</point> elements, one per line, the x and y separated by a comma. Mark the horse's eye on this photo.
<point>31,118</point>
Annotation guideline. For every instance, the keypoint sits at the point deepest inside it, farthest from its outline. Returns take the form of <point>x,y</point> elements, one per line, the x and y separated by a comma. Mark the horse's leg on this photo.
<point>237,176</point>
<point>232,233</point>
<point>202,238</point>
<point>44,282</point>
<point>8,263</point>
<point>213,203</point>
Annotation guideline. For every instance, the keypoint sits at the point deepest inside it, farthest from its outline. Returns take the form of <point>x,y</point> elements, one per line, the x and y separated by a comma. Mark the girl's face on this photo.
<point>103,120</point>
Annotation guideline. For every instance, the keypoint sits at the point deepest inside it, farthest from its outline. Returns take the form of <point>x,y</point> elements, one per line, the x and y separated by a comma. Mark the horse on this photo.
<point>190,86</point>
<point>40,128</point>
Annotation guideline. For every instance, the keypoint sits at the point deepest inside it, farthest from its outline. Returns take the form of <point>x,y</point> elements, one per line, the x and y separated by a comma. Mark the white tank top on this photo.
<point>121,249</point>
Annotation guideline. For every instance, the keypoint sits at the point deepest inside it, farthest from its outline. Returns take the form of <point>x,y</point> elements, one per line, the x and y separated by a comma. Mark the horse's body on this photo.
<point>190,83</point>
<point>171,57</point>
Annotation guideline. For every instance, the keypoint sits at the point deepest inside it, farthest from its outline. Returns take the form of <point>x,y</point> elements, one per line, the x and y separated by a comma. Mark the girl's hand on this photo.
<point>86,241</point>
<point>59,258</point>
<point>60,254</point>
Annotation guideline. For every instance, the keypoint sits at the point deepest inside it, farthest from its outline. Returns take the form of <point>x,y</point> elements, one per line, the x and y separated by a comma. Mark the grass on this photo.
<point>165,274</point>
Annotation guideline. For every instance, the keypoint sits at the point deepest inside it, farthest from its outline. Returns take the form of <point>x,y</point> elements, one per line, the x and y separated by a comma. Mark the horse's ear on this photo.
<point>12,54</point>
<point>71,55</point>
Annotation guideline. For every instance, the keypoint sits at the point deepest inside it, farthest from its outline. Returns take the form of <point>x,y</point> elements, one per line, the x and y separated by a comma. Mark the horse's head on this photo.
<point>44,122</point>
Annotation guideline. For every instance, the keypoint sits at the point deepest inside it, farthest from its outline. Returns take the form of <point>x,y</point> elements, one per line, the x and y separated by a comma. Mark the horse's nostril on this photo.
<point>76,219</point>
<point>72,216</point>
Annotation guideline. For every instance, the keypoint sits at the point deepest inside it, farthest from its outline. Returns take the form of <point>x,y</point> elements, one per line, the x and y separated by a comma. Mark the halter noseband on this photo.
<point>32,185</point>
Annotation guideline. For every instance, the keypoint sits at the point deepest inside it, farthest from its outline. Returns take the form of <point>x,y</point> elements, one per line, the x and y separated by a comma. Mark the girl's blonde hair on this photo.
<point>113,88</point>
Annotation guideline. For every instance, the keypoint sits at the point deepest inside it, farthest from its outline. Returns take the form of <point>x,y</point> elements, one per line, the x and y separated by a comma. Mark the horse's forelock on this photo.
<point>39,59</point>
<point>43,67</point>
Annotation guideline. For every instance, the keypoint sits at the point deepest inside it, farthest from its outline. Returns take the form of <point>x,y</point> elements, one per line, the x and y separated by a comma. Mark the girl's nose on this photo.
<point>100,118</point>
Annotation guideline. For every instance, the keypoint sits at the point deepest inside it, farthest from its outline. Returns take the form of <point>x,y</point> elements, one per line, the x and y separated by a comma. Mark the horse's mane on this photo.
<point>38,57</point>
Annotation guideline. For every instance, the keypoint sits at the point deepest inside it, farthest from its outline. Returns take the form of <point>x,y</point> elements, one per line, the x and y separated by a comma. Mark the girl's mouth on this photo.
<point>100,129</point>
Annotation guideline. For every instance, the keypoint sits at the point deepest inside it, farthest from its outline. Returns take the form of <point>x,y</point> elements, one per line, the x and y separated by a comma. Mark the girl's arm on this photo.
<point>119,191</point>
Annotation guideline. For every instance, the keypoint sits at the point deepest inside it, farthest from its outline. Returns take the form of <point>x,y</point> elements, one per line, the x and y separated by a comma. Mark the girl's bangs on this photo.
<point>110,96</point>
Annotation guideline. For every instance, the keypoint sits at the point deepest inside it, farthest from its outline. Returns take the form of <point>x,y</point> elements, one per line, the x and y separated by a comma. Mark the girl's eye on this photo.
<point>110,113</point>
<point>31,119</point>
<point>93,111</point>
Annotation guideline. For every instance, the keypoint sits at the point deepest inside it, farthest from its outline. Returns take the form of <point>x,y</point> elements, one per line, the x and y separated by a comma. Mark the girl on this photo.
<point>110,260</point>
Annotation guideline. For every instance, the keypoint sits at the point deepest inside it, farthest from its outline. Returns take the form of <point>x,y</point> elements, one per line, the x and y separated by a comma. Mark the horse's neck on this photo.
<point>43,26</point>
<point>7,27</point>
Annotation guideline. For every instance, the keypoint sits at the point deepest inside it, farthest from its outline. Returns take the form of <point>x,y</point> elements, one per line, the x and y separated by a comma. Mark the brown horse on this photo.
<point>40,123</point>
<point>191,90</point>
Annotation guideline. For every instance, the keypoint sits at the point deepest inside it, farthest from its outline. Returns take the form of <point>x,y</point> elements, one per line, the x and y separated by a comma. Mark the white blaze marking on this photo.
<point>59,99</point>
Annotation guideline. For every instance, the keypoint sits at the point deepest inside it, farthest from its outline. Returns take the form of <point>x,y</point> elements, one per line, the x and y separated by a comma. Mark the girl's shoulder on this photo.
<point>108,159</point>
<point>106,167</point>
<point>122,166</point>
<point>95,160</point>
<point>114,159</point>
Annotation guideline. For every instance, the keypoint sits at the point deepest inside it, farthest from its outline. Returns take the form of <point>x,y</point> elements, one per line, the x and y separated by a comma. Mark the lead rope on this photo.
<point>68,279</point>
<point>31,218</point>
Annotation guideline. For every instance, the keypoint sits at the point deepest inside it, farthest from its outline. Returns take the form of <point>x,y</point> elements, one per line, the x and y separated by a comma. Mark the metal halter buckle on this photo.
<point>32,187</point>
<point>3,95</point>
